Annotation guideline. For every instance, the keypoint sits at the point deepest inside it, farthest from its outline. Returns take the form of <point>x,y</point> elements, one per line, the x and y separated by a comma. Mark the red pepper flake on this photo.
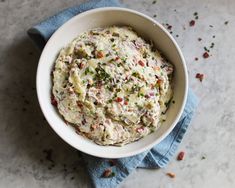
<point>119,99</point>
<point>200,76</point>
<point>170,174</point>
<point>141,63</point>
<point>108,173</point>
<point>199,39</point>
<point>205,55</point>
<point>100,54</point>
<point>192,23</point>
<point>196,59</point>
<point>180,156</point>
<point>126,102</point>
<point>53,101</point>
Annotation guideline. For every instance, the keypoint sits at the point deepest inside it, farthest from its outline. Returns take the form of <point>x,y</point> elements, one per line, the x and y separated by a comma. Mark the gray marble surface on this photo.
<point>26,139</point>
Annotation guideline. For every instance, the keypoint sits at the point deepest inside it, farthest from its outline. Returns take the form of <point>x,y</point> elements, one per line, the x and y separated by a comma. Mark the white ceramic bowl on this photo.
<point>145,27</point>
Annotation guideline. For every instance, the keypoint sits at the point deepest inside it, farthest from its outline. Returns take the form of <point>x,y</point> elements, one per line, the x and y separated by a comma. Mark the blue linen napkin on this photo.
<point>159,155</point>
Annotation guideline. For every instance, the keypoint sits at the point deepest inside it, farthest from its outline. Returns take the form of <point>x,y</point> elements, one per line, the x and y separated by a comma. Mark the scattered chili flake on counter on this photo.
<point>203,157</point>
<point>154,2</point>
<point>170,174</point>
<point>154,15</point>
<point>199,39</point>
<point>205,55</point>
<point>226,23</point>
<point>108,173</point>
<point>180,156</point>
<point>196,59</point>
<point>211,26</point>
<point>192,23</point>
<point>199,76</point>
<point>169,27</point>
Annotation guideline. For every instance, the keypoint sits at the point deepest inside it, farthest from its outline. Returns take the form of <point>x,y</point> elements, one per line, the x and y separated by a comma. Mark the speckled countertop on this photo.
<point>27,143</point>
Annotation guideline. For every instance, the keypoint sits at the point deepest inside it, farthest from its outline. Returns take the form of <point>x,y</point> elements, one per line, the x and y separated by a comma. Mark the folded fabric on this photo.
<point>160,154</point>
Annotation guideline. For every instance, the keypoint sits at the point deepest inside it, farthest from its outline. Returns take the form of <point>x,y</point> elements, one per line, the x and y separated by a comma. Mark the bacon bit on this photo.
<point>205,55</point>
<point>170,174</point>
<point>139,130</point>
<point>200,76</point>
<point>159,82</point>
<point>191,23</point>
<point>53,101</point>
<point>180,156</point>
<point>141,63</point>
<point>99,54</point>
<point>94,126</point>
<point>108,173</point>
<point>157,68</point>
<point>79,104</point>
<point>126,102</point>
<point>119,99</point>
<point>81,65</point>
<point>117,58</point>
<point>196,59</point>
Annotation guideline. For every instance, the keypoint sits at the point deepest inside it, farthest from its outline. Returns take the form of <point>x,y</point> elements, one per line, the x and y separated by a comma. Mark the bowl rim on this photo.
<point>110,155</point>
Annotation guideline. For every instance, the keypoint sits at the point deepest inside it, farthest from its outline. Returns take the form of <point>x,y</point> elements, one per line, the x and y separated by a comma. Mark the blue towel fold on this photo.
<point>160,154</point>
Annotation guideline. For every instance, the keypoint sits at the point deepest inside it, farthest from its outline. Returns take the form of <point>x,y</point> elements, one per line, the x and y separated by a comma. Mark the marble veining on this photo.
<point>32,155</point>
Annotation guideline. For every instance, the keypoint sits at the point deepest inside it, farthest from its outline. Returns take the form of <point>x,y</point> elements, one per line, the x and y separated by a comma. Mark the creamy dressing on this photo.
<point>111,86</point>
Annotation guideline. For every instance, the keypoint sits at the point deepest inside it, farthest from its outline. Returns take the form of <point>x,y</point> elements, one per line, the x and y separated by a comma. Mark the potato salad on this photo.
<point>112,86</point>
